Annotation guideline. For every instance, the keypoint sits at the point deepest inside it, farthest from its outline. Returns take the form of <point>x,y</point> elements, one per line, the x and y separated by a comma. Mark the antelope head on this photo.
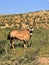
<point>31,29</point>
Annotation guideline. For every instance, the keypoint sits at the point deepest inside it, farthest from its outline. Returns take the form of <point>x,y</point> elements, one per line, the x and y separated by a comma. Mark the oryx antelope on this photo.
<point>23,35</point>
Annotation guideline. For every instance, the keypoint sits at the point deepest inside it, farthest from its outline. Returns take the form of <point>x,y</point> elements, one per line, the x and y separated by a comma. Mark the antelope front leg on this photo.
<point>25,44</point>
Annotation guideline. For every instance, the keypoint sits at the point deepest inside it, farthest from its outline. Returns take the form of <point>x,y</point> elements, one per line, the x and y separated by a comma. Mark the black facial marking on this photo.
<point>31,31</point>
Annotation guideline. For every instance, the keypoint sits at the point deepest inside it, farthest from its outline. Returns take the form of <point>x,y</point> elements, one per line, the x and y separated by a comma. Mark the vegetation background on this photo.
<point>38,45</point>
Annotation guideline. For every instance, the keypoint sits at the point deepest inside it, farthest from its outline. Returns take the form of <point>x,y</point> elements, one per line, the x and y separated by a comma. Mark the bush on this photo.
<point>2,24</point>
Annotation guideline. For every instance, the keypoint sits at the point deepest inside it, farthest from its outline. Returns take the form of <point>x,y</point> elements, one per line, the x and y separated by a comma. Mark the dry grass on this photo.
<point>41,18</point>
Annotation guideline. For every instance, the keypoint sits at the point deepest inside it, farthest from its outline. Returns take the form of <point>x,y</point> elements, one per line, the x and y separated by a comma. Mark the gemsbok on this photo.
<point>23,35</point>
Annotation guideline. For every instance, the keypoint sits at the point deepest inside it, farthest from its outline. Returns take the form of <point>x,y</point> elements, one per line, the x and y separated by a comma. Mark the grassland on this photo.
<point>38,45</point>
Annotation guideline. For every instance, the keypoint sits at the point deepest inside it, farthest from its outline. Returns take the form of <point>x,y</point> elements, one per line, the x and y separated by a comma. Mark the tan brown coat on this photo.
<point>21,35</point>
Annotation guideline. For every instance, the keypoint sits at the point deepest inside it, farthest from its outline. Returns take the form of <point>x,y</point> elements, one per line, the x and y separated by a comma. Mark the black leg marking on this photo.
<point>10,43</point>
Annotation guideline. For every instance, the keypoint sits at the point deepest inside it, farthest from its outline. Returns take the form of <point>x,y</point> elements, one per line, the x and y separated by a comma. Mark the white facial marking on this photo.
<point>30,33</point>
<point>32,29</point>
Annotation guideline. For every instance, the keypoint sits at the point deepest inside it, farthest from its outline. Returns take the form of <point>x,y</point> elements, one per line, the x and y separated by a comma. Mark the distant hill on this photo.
<point>36,19</point>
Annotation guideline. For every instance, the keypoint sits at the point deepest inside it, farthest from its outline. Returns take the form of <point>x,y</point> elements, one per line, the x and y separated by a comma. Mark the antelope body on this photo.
<point>23,35</point>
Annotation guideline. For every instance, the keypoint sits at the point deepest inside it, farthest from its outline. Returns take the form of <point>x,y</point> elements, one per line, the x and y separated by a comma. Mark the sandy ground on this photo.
<point>43,60</point>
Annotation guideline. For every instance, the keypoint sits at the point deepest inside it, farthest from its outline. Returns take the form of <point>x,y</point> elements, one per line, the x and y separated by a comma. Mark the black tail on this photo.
<point>8,37</point>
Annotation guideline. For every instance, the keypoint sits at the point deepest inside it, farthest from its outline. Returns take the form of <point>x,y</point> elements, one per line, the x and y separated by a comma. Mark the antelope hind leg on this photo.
<point>13,45</point>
